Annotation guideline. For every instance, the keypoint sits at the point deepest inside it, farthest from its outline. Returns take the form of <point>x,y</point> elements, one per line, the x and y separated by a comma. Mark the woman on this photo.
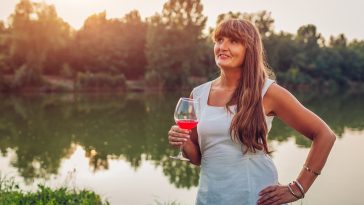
<point>237,109</point>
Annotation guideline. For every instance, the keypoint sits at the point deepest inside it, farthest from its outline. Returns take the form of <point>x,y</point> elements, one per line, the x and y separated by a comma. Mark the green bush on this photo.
<point>56,87</point>
<point>100,81</point>
<point>294,76</point>
<point>25,75</point>
<point>10,194</point>
<point>157,202</point>
<point>67,71</point>
<point>20,76</point>
<point>2,82</point>
<point>153,79</point>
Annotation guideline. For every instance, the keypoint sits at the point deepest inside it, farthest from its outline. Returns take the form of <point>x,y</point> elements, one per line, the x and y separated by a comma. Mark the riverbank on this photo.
<point>56,84</point>
<point>10,194</point>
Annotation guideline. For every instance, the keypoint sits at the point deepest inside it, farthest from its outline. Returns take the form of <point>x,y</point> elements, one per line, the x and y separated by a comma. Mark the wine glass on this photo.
<point>185,115</point>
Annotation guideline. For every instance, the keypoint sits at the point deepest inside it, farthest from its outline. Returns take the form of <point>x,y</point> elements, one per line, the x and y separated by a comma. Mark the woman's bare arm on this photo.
<point>191,148</point>
<point>286,107</point>
<point>189,141</point>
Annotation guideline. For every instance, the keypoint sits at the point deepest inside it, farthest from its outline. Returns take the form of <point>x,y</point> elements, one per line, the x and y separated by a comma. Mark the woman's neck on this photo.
<point>228,80</point>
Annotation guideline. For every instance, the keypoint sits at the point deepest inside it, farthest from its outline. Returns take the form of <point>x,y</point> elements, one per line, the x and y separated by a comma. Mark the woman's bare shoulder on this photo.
<point>277,91</point>
<point>276,97</point>
<point>200,89</point>
<point>286,107</point>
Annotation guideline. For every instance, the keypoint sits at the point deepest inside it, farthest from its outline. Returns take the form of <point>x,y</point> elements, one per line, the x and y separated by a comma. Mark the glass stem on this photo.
<point>181,150</point>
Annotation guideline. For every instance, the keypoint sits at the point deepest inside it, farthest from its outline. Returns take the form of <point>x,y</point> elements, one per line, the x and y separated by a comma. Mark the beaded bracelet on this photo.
<point>312,171</point>
<point>300,188</point>
<point>292,192</point>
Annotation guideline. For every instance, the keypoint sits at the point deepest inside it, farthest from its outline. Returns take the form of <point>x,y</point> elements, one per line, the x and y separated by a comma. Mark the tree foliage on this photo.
<point>167,50</point>
<point>111,45</point>
<point>262,20</point>
<point>36,33</point>
<point>174,40</point>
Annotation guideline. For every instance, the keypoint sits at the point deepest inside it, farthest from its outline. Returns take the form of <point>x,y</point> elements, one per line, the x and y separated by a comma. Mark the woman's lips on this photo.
<point>223,57</point>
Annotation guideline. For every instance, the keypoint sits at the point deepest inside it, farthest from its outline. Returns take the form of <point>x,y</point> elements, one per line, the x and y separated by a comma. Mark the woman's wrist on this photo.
<point>191,151</point>
<point>312,171</point>
<point>300,188</point>
<point>305,180</point>
<point>293,192</point>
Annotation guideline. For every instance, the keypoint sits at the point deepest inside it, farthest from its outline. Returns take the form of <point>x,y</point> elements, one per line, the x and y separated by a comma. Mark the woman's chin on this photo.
<point>223,64</point>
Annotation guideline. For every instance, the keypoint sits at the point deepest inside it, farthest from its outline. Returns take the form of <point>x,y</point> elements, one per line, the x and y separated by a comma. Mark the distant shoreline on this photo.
<point>55,84</point>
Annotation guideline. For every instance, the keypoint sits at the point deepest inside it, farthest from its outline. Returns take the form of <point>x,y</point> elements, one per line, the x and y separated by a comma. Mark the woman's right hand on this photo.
<point>177,136</point>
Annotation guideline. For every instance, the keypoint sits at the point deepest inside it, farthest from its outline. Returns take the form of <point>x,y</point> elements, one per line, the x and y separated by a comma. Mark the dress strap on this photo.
<point>268,82</point>
<point>206,93</point>
<point>202,93</point>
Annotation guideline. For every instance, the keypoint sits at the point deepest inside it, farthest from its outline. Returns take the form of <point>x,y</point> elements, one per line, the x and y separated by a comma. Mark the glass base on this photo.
<point>179,157</point>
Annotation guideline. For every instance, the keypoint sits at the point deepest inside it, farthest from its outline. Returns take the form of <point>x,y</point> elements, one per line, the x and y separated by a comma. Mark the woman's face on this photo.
<point>229,53</point>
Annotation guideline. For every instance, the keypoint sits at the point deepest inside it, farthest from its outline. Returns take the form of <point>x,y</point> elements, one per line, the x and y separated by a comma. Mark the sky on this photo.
<point>331,17</point>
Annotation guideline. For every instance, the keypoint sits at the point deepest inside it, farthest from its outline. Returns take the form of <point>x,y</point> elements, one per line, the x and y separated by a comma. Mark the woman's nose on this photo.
<point>223,45</point>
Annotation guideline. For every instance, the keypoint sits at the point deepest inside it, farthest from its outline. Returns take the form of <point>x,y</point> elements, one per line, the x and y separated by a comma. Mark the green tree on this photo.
<point>340,41</point>
<point>174,40</point>
<point>133,44</point>
<point>36,30</point>
<point>308,45</point>
<point>354,61</point>
<point>329,64</point>
<point>262,20</point>
<point>336,61</point>
<point>3,52</point>
<point>351,59</point>
<point>94,45</point>
<point>280,50</point>
<point>111,45</point>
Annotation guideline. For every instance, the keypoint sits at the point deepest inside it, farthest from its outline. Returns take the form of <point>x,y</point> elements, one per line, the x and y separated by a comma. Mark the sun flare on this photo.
<point>76,11</point>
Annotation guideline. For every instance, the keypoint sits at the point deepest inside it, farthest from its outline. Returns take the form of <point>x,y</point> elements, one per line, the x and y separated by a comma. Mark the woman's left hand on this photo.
<point>275,195</point>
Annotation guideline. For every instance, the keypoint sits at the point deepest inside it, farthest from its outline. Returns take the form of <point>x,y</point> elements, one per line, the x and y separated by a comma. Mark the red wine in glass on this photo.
<point>187,124</point>
<point>185,116</point>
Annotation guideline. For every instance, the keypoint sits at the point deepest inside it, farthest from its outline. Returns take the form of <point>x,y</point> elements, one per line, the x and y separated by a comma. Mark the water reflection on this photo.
<point>42,130</point>
<point>339,111</point>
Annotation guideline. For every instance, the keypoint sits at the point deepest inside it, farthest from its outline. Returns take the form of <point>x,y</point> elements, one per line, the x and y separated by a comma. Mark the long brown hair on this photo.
<point>248,125</point>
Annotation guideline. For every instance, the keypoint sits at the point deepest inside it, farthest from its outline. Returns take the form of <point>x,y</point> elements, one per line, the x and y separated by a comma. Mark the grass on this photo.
<point>10,194</point>
<point>157,201</point>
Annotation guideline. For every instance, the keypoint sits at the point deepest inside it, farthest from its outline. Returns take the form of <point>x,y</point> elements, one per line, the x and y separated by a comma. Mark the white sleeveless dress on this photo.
<point>227,176</point>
